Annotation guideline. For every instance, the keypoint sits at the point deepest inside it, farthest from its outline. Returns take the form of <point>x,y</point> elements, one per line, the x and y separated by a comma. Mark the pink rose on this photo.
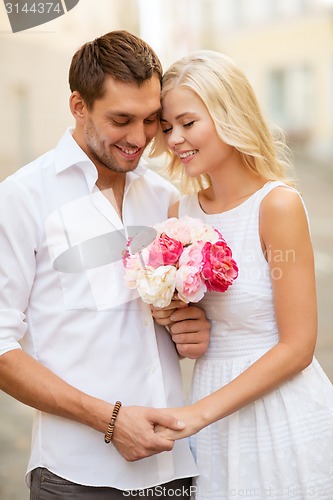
<point>219,268</point>
<point>176,229</point>
<point>192,255</point>
<point>164,251</point>
<point>189,284</point>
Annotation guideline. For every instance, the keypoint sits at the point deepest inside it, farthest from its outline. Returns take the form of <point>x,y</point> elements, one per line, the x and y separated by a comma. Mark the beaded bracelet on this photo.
<point>109,433</point>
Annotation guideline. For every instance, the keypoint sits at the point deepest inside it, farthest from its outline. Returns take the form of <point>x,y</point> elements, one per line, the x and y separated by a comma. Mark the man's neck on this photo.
<point>113,189</point>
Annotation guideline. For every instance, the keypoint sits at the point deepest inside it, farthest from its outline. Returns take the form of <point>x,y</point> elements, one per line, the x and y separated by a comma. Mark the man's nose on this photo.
<point>137,135</point>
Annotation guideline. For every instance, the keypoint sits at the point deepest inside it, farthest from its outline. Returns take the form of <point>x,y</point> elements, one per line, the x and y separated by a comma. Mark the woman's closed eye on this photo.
<point>189,124</point>
<point>166,130</point>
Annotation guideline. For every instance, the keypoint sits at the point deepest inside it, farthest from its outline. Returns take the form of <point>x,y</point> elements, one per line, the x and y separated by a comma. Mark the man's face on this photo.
<point>121,124</point>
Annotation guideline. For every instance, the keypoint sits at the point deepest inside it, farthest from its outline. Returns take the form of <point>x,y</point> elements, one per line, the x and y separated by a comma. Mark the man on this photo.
<point>87,340</point>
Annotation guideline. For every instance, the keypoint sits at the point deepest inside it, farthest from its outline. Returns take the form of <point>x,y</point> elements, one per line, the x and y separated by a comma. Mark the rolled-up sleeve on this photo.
<point>18,247</point>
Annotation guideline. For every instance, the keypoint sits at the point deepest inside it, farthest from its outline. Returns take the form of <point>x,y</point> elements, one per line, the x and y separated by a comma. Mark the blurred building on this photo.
<point>34,64</point>
<point>285,47</point>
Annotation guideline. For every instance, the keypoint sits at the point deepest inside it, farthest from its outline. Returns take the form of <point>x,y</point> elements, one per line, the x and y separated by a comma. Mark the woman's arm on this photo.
<point>287,245</point>
<point>173,210</point>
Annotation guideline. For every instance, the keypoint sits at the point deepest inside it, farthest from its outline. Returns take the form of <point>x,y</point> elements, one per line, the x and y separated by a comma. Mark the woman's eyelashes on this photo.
<point>189,124</point>
<point>166,130</point>
<point>185,125</point>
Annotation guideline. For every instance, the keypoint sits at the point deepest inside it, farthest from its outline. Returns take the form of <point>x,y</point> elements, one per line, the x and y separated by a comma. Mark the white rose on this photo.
<point>157,286</point>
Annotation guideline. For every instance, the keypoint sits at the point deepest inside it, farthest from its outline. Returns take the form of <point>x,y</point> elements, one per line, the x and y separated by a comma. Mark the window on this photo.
<point>278,96</point>
<point>291,98</point>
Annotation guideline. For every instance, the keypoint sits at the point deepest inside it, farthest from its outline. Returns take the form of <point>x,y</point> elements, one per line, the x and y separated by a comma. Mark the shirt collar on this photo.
<point>68,153</point>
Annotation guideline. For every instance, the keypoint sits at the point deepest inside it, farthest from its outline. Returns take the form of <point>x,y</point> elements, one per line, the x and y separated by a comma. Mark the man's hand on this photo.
<point>134,435</point>
<point>190,331</point>
<point>187,325</point>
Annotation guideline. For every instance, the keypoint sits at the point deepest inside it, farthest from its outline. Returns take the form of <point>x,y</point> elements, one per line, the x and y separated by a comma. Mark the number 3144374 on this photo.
<point>35,8</point>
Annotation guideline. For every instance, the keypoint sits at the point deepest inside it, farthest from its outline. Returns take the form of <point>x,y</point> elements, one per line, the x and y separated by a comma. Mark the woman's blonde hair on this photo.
<point>234,109</point>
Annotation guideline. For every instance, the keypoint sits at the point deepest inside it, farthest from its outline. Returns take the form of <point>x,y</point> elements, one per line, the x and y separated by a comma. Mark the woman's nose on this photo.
<point>175,137</point>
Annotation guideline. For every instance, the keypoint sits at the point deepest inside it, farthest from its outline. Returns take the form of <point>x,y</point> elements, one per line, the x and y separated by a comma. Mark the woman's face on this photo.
<point>190,133</point>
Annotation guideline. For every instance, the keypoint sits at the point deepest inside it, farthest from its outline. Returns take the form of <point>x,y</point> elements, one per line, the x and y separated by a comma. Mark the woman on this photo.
<point>262,403</point>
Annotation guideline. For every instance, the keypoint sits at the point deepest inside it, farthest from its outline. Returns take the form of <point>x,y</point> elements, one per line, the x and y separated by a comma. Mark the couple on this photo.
<point>74,342</point>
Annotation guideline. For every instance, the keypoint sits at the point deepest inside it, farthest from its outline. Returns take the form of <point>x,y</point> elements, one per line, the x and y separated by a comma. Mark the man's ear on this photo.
<point>78,107</point>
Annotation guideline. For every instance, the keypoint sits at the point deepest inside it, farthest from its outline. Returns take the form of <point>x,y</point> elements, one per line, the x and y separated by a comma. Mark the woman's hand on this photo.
<point>190,415</point>
<point>162,314</point>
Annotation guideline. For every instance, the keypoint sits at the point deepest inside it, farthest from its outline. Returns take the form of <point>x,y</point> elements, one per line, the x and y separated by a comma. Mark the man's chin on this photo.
<point>119,169</point>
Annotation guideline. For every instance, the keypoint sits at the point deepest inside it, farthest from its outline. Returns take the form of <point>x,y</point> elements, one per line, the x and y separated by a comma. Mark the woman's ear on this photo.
<point>77,106</point>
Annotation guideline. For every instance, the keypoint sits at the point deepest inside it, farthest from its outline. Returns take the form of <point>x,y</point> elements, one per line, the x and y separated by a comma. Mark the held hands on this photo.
<point>187,325</point>
<point>191,418</point>
<point>134,435</point>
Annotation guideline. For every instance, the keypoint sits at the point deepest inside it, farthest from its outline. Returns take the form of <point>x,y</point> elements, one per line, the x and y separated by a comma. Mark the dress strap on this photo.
<point>269,186</point>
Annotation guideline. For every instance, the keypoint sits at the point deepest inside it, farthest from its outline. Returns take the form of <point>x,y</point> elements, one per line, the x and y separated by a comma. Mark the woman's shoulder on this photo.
<point>282,210</point>
<point>282,200</point>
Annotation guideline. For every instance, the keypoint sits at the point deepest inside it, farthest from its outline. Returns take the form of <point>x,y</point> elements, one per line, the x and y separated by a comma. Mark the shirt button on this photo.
<point>145,322</point>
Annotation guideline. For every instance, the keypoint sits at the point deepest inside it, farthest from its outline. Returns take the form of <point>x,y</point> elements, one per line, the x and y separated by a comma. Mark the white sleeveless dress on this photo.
<point>280,446</point>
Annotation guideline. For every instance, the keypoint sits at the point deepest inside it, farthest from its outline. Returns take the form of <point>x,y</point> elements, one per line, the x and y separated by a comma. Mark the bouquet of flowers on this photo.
<point>185,259</point>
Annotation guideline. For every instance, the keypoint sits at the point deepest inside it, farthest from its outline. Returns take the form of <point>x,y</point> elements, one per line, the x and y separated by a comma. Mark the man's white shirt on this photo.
<point>85,326</point>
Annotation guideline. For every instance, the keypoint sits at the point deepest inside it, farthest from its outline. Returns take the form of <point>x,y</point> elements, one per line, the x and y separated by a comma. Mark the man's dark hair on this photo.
<point>118,54</point>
